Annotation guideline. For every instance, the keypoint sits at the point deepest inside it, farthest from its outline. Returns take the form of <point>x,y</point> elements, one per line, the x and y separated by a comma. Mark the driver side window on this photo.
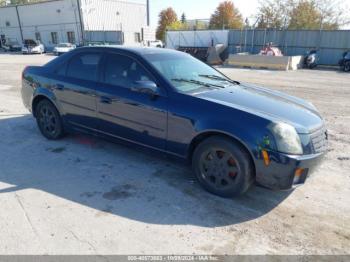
<point>123,71</point>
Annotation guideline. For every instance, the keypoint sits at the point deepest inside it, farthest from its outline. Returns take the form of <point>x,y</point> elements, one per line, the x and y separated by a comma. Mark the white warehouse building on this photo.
<point>78,21</point>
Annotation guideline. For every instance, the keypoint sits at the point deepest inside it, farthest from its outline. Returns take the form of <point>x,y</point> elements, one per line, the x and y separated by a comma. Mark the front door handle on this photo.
<point>105,100</point>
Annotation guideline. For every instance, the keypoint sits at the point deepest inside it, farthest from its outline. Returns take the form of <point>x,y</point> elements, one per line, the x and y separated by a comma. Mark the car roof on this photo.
<point>136,50</point>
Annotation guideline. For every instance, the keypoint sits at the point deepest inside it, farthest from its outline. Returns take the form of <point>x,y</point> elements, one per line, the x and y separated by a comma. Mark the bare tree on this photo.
<point>274,13</point>
<point>303,14</point>
<point>334,13</point>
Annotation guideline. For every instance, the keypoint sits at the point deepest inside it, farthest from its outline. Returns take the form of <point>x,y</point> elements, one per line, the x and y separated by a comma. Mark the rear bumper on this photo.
<point>27,95</point>
<point>286,171</point>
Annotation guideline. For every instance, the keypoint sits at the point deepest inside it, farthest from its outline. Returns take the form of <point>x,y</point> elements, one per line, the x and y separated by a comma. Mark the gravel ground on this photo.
<point>83,195</point>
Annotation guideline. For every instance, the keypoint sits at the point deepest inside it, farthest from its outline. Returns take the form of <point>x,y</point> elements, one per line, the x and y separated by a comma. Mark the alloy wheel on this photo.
<point>48,120</point>
<point>219,168</point>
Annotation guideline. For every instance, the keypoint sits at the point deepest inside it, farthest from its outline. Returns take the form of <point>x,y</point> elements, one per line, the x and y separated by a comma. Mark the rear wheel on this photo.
<point>223,167</point>
<point>347,66</point>
<point>49,120</point>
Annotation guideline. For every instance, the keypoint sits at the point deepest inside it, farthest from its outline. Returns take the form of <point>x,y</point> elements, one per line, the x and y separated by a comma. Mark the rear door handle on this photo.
<point>105,100</point>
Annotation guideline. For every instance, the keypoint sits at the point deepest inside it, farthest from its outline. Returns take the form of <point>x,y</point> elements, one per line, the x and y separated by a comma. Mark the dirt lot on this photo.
<point>83,195</point>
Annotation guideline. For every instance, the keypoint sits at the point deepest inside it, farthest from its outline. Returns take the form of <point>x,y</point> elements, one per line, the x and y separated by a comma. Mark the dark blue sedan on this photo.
<point>233,133</point>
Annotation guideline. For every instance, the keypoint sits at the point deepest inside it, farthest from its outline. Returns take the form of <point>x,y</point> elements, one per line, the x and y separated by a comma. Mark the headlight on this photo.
<point>287,139</point>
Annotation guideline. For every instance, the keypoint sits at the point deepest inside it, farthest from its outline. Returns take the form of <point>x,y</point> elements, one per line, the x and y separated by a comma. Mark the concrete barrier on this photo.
<point>214,53</point>
<point>266,62</point>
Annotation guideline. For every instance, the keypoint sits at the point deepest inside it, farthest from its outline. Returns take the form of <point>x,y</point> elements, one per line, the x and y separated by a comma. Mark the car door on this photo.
<point>124,110</point>
<point>75,88</point>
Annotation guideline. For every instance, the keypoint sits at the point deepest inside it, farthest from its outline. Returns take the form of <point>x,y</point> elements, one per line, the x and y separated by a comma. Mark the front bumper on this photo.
<point>26,51</point>
<point>58,53</point>
<point>15,49</point>
<point>286,171</point>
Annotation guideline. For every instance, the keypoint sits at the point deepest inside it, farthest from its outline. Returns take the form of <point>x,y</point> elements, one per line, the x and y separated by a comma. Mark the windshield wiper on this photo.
<point>192,81</point>
<point>215,77</point>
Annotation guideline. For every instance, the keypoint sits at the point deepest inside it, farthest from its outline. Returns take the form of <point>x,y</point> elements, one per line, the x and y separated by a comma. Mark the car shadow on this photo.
<point>118,179</point>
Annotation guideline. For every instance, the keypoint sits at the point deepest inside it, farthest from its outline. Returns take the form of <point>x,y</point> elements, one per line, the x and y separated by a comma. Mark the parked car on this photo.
<point>233,133</point>
<point>63,48</point>
<point>344,63</point>
<point>11,45</point>
<point>99,43</point>
<point>156,43</point>
<point>31,46</point>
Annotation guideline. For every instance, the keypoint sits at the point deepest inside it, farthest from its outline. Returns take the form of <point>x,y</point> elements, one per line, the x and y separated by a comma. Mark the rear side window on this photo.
<point>123,71</point>
<point>84,66</point>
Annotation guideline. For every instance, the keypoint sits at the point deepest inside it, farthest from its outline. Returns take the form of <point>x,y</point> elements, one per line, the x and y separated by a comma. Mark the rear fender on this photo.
<point>41,92</point>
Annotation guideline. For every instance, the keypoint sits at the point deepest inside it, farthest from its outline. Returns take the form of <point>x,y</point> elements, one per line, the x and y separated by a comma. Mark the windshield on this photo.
<point>30,42</point>
<point>186,73</point>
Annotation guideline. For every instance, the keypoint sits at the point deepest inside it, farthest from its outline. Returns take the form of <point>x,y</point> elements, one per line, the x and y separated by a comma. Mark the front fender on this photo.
<point>250,131</point>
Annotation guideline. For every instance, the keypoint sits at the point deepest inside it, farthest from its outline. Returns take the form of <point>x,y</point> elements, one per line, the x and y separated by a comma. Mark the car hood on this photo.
<point>273,105</point>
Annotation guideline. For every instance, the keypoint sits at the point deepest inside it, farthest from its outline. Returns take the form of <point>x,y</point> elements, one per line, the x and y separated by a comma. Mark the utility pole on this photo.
<point>148,13</point>
<point>19,24</point>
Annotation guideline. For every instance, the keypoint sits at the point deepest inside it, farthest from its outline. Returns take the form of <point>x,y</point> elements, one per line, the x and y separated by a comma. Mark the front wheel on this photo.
<point>223,167</point>
<point>49,120</point>
<point>313,66</point>
<point>347,66</point>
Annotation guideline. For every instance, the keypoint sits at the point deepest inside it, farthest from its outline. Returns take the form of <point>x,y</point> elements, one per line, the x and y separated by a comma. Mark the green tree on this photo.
<point>166,18</point>
<point>305,15</point>
<point>183,18</point>
<point>226,16</point>
<point>178,26</point>
<point>200,25</point>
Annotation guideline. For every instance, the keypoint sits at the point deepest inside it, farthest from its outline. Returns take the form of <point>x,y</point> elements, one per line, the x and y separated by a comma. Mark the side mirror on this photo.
<point>145,87</point>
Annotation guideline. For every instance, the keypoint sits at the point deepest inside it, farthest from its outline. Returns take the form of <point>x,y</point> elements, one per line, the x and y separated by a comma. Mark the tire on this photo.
<point>223,167</point>
<point>313,66</point>
<point>347,66</point>
<point>49,120</point>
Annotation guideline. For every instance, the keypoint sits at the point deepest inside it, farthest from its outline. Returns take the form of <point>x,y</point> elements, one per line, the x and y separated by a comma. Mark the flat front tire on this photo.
<point>223,167</point>
<point>49,120</point>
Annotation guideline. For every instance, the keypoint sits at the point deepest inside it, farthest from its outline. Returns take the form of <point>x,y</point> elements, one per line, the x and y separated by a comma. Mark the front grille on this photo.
<point>320,140</point>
